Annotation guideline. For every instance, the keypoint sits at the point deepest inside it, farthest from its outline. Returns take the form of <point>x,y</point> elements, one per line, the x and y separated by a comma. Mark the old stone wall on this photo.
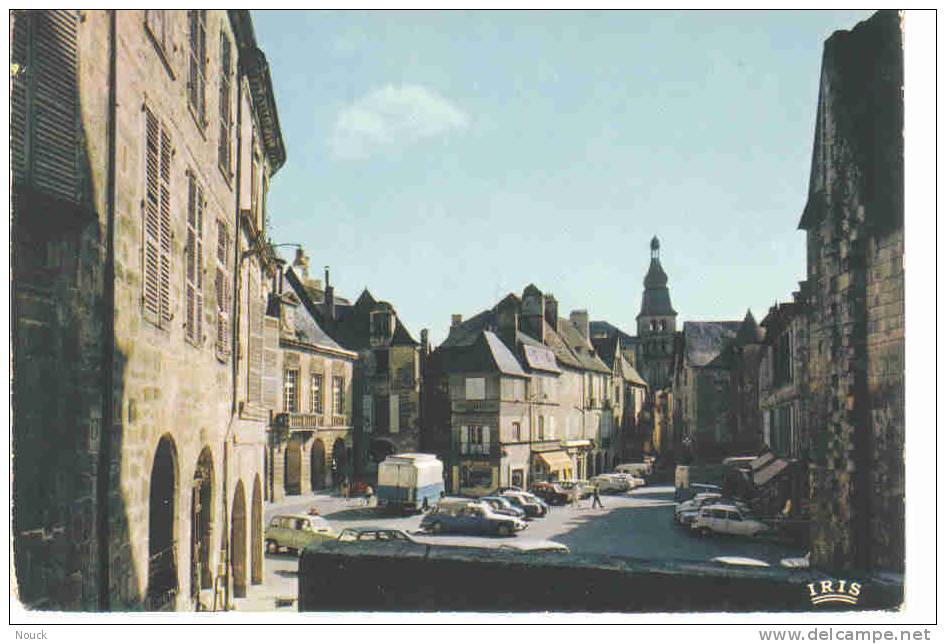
<point>854,224</point>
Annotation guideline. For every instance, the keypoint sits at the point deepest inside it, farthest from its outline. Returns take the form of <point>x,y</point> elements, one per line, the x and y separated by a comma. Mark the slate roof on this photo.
<point>584,353</point>
<point>630,373</point>
<point>704,341</point>
<point>505,361</point>
<point>602,328</point>
<point>467,332</point>
<point>307,327</point>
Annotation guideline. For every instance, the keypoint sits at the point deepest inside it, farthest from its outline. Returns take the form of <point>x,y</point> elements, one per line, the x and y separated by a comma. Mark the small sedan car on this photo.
<point>502,505</point>
<point>532,505</point>
<point>472,517</point>
<point>294,532</point>
<point>370,533</point>
<point>551,493</point>
<point>727,519</point>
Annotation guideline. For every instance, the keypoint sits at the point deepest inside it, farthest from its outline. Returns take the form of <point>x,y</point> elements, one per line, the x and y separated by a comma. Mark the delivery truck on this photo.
<point>410,482</point>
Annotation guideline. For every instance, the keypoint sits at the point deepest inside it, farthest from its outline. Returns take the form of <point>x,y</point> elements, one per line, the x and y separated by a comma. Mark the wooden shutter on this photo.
<point>271,364</point>
<point>165,215</point>
<point>194,264</point>
<point>44,102</point>
<point>18,94</point>
<point>255,311</point>
<point>222,289</point>
<point>151,277</point>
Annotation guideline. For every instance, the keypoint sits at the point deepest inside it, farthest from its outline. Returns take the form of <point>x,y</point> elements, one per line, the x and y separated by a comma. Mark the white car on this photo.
<point>607,483</point>
<point>536,545</point>
<point>797,562</point>
<point>741,561</point>
<point>633,481</point>
<point>727,519</point>
<point>697,502</point>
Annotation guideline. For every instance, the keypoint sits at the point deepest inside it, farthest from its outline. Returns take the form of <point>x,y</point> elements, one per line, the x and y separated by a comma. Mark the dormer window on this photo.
<point>381,324</point>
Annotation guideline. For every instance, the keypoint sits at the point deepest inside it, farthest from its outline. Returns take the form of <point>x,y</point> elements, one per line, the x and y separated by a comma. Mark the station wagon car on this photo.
<point>294,532</point>
<point>727,519</point>
<point>470,518</point>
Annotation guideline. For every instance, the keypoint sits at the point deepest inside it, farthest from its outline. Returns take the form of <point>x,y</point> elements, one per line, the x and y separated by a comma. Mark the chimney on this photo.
<point>329,297</point>
<point>280,275</point>
<point>579,320</point>
<point>301,264</point>
<point>533,313</point>
<point>455,320</point>
<point>423,339</point>
<point>507,319</point>
<point>551,311</point>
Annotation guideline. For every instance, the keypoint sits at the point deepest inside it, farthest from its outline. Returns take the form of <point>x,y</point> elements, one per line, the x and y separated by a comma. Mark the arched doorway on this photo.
<point>256,535</point>
<point>202,506</point>
<point>317,471</point>
<point>339,461</point>
<point>380,449</point>
<point>238,541</point>
<point>162,548</point>
<point>293,480</point>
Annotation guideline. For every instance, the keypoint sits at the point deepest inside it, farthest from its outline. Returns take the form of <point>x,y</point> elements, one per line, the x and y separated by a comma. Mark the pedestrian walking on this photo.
<point>576,498</point>
<point>369,492</point>
<point>346,488</point>
<point>596,498</point>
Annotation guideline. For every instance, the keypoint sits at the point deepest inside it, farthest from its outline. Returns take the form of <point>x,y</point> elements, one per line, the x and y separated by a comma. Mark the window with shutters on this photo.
<point>317,392</point>
<point>226,115</point>
<point>156,252</point>
<point>194,263</point>
<point>338,395</point>
<point>222,290</point>
<point>157,26</point>
<point>290,401</point>
<point>196,79</point>
<point>44,117</point>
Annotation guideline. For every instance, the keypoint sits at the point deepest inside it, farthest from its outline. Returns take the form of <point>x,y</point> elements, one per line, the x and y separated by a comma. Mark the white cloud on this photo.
<point>393,116</point>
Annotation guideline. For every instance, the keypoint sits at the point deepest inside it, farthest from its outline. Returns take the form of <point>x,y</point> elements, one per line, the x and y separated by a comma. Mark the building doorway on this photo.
<point>293,480</point>
<point>339,460</point>
<point>317,471</point>
<point>162,548</point>
<point>202,505</point>
<point>238,541</point>
<point>256,535</point>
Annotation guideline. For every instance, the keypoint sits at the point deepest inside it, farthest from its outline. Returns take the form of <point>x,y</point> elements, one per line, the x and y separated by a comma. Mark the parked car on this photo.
<point>797,562</point>
<point>371,533</point>
<point>503,505</point>
<point>470,517</point>
<point>294,532</point>
<point>551,493</point>
<point>584,487</point>
<point>642,470</point>
<point>532,505</point>
<point>741,561</point>
<point>727,519</point>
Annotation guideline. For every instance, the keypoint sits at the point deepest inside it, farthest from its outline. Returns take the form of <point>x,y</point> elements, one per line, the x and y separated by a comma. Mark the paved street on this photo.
<point>636,524</point>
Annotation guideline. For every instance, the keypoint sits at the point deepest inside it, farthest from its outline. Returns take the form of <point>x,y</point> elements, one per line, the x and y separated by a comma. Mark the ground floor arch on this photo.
<point>317,462</point>
<point>202,506</point>
<point>293,467</point>
<point>340,461</point>
<point>238,541</point>
<point>162,586</point>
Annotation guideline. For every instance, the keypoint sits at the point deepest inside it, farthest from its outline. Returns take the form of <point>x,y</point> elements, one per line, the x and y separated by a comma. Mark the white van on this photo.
<point>410,482</point>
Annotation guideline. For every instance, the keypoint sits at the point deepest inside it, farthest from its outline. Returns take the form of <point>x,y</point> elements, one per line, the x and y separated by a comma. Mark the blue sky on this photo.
<point>444,159</point>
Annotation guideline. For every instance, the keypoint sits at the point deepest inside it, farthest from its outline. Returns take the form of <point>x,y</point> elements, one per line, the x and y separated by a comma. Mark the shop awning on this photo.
<point>556,461</point>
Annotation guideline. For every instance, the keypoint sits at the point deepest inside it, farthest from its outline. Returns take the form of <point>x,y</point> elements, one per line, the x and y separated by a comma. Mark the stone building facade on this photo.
<point>549,411</point>
<point>143,143</point>
<point>853,221</point>
<point>310,439</point>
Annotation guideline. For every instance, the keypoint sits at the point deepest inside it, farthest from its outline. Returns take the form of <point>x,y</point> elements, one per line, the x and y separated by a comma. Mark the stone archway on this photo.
<point>380,449</point>
<point>317,471</point>
<point>202,506</point>
<point>293,471</point>
<point>162,519</point>
<point>256,534</point>
<point>340,461</point>
<point>238,541</point>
